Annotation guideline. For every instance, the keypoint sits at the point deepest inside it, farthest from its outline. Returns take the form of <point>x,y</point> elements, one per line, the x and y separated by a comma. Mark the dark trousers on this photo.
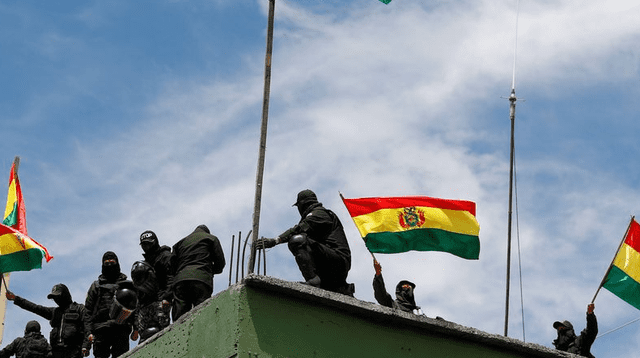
<point>314,258</point>
<point>66,352</point>
<point>111,341</point>
<point>188,294</point>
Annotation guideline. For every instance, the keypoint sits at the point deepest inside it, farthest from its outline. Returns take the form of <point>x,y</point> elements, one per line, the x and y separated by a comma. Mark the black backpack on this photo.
<point>36,346</point>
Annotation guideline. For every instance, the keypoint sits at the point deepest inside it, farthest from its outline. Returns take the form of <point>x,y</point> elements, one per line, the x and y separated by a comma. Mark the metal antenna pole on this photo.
<point>263,136</point>
<point>512,116</point>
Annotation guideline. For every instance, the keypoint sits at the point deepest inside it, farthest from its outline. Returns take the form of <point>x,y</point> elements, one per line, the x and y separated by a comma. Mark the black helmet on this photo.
<point>127,298</point>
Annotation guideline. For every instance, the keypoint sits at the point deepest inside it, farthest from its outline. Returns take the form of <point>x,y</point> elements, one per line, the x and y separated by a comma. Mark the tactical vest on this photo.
<point>67,327</point>
<point>106,294</point>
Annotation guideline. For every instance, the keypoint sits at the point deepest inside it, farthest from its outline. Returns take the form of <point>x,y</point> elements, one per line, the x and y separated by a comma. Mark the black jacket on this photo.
<point>99,301</point>
<point>67,323</point>
<point>322,225</point>
<point>160,260</point>
<point>581,344</point>
<point>21,347</point>
<point>197,257</point>
<point>384,298</point>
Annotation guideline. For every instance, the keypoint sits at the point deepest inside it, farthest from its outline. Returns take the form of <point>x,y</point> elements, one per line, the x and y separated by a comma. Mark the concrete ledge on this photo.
<point>247,319</point>
<point>390,317</point>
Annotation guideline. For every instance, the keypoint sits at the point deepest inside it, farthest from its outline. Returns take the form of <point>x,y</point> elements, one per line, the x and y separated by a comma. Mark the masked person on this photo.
<point>568,341</point>
<point>194,259</point>
<point>319,245</point>
<point>151,317</point>
<point>404,301</point>
<point>109,336</point>
<point>32,345</point>
<point>159,257</point>
<point>66,319</point>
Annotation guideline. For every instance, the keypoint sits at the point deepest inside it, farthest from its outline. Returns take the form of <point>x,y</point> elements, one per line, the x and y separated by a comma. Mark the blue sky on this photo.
<point>145,115</point>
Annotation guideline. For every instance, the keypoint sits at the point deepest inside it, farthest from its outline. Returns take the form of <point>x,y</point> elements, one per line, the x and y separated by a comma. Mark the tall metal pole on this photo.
<point>512,116</point>
<point>263,136</point>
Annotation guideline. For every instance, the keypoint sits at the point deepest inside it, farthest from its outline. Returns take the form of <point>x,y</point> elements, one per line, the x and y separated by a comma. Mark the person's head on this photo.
<point>204,228</point>
<point>60,295</point>
<point>149,241</point>
<point>566,335</point>
<point>32,327</point>
<point>404,291</point>
<point>110,265</point>
<point>305,199</point>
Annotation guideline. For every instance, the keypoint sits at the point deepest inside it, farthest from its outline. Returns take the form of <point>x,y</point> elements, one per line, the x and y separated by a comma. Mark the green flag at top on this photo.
<point>385,1</point>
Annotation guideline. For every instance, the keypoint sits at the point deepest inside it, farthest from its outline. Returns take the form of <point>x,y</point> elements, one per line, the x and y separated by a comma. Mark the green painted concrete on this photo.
<point>272,318</point>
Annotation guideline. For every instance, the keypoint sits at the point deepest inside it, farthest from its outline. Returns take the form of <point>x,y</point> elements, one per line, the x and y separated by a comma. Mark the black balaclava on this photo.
<point>149,242</point>
<point>566,336</point>
<point>404,296</point>
<point>32,327</point>
<point>305,199</point>
<point>110,271</point>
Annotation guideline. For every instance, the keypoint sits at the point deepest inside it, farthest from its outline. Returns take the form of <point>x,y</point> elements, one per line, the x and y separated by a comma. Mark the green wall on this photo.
<point>246,321</point>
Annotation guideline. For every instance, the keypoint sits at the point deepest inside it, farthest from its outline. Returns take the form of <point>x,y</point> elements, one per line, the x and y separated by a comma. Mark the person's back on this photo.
<point>36,346</point>
<point>194,261</point>
<point>32,345</point>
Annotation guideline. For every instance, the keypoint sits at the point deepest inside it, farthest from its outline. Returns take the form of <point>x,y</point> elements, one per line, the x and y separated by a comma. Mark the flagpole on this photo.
<point>263,136</point>
<point>354,222</point>
<point>4,285</point>
<point>614,258</point>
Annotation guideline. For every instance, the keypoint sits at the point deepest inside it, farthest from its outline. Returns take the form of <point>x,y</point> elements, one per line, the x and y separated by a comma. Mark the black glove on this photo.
<point>266,243</point>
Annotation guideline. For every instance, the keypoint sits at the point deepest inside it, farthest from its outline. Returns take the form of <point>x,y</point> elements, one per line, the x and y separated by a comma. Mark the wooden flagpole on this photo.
<point>614,258</point>
<point>263,137</point>
<point>4,283</point>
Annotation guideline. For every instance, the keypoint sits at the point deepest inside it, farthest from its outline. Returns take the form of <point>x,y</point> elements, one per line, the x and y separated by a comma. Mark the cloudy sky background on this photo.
<point>131,116</point>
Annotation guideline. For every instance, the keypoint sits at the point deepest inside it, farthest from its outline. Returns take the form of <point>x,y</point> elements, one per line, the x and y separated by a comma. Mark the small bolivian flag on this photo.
<point>385,1</point>
<point>623,278</point>
<point>419,223</point>
<point>19,252</point>
<point>14,213</point>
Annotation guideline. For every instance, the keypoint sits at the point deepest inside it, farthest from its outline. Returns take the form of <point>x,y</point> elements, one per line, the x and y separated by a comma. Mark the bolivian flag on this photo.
<point>14,213</point>
<point>400,224</point>
<point>19,252</point>
<point>623,278</point>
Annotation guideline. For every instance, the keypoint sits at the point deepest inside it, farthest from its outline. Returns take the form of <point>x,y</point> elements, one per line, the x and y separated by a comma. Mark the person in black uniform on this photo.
<point>67,320</point>
<point>110,337</point>
<point>32,345</point>
<point>194,260</point>
<point>151,317</point>
<point>405,301</point>
<point>568,341</point>
<point>319,245</point>
<point>159,257</point>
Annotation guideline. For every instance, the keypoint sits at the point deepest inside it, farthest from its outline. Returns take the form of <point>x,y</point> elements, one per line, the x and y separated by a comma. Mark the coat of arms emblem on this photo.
<point>411,218</point>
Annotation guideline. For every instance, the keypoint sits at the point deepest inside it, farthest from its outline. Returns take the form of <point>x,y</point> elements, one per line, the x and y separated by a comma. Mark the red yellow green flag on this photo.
<point>400,224</point>
<point>386,1</point>
<point>15,213</point>
<point>19,252</point>
<point>623,278</point>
